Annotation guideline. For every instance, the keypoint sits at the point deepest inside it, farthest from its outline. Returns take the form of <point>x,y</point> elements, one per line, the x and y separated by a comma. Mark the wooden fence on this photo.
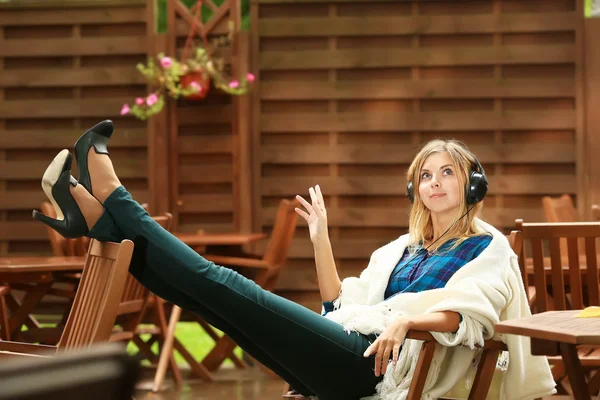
<point>63,69</point>
<point>350,89</point>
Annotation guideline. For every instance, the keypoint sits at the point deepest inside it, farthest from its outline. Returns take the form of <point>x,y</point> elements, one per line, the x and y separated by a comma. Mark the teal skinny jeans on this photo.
<point>313,354</point>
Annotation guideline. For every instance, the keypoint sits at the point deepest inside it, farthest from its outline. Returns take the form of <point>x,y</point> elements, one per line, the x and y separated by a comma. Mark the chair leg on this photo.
<point>422,369</point>
<point>5,331</point>
<point>484,375</point>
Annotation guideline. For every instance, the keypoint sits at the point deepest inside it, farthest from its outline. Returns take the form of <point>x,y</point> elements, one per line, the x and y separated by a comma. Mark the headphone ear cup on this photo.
<point>410,193</point>
<point>477,188</point>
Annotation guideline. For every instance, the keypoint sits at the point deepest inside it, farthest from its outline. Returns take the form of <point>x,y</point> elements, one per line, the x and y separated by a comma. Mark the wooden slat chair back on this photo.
<point>95,307</point>
<point>565,280</point>
<point>579,273</point>
<point>561,209</point>
<point>485,369</point>
<point>135,296</point>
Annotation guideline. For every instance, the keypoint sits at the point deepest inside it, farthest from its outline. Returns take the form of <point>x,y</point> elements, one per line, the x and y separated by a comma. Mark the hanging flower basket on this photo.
<point>198,81</point>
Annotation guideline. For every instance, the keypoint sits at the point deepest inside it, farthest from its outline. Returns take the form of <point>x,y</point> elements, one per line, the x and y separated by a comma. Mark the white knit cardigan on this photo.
<point>484,291</point>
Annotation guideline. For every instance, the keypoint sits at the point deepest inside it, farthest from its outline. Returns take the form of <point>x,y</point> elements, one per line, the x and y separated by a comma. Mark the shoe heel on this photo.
<point>59,226</point>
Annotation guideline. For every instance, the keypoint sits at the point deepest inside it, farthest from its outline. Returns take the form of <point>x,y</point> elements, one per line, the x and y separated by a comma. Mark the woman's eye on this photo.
<point>425,175</point>
<point>448,171</point>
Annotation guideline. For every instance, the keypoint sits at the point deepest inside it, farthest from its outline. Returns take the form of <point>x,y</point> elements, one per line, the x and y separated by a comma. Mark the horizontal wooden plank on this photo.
<point>132,12</point>
<point>205,203</point>
<point>403,154</point>
<point>60,108</point>
<point>422,89</point>
<point>424,121</point>
<point>76,77</point>
<point>216,173</point>
<point>398,217</point>
<point>14,170</point>
<point>416,24</point>
<point>205,144</point>
<point>60,139</point>
<point>390,185</point>
<point>60,4</point>
<point>56,47</point>
<point>25,200</point>
<point>380,57</point>
<point>204,114</point>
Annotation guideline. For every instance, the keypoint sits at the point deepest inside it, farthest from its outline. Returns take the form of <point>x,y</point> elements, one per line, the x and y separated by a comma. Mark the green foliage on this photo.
<point>161,13</point>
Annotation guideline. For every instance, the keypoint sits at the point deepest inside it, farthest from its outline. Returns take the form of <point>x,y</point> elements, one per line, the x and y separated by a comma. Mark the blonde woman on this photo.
<point>315,353</point>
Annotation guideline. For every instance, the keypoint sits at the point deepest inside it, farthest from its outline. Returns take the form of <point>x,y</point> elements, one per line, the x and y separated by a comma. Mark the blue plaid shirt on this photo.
<point>426,271</point>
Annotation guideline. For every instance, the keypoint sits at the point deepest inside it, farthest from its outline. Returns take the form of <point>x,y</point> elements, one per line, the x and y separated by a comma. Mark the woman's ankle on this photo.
<point>90,208</point>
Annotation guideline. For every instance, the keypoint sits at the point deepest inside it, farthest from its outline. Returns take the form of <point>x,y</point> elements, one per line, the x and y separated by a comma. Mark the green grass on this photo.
<point>190,334</point>
<point>192,337</point>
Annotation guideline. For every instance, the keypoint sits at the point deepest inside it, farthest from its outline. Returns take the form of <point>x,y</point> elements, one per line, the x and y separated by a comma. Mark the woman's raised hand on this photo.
<point>315,214</point>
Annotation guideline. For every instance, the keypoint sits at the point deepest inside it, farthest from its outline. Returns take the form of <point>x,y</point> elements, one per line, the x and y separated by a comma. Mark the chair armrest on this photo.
<point>428,337</point>
<point>4,290</point>
<point>237,261</point>
<point>26,348</point>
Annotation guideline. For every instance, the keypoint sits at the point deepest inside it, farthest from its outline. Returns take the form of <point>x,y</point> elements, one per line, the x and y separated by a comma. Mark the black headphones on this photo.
<point>475,190</point>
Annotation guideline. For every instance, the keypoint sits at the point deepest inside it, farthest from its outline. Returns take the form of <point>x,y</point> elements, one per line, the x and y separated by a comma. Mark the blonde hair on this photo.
<point>420,223</point>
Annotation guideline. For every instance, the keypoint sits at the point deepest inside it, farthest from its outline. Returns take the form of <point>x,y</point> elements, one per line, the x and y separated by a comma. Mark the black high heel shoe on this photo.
<point>97,136</point>
<point>56,180</point>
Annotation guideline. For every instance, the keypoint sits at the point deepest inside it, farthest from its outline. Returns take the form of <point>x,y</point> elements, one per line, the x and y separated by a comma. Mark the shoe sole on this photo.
<point>50,177</point>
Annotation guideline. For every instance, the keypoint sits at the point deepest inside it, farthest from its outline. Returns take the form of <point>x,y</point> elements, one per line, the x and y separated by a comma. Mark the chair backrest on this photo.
<point>552,269</point>
<point>95,306</point>
<point>559,209</point>
<point>282,233</point>
<point>62,246</point>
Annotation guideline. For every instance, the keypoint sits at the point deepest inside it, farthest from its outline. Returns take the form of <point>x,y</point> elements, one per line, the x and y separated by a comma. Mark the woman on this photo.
<point>315,354</point>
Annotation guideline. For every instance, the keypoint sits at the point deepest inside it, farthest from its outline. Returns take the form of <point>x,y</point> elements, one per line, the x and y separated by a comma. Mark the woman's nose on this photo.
<point>434,182</point>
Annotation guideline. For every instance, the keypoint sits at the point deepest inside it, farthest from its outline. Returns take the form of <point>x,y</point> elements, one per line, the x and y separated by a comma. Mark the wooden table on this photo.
<point>37,271</point>
<point>555,333</point>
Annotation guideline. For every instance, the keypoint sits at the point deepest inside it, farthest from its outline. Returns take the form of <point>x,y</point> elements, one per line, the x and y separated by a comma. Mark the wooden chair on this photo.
<point>485,369</point>
<point>264,272</point>
<point>559,209</point>
<point>94,310</point>
<point>565,281</point>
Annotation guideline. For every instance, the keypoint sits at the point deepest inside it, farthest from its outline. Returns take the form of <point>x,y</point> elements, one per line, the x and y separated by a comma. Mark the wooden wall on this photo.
<point>62,70</point>
<point>592,109</point>
<point>350,89</point>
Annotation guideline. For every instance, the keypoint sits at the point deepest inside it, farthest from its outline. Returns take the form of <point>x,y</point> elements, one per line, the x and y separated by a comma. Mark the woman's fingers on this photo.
<point>305,203</point>
<point>385,361</point>
<point>396,353</point>
<point>320,196</point>
<point>378,358</point>
<point>302,213</point>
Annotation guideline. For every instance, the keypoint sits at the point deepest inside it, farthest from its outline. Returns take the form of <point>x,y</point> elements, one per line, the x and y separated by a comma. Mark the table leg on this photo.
<point>574,371</point>
<point>166,353</point>
<point>28,305</point>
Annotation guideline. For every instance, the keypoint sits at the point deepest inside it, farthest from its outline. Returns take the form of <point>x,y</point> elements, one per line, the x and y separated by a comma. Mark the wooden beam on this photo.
<point>61,77</point>
<point>59,108</point>
<point>379,58</point>
<point>423,89</point>
<point>60,139</point>
<point>403,154</point>
<point>425,121</point>
<point>100,14</point>
<point>55,47</point>
<point>422,25</point>
<point>23,170</point>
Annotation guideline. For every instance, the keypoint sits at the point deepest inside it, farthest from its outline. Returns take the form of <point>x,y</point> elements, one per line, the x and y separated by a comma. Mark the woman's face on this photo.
<point>440,189</point>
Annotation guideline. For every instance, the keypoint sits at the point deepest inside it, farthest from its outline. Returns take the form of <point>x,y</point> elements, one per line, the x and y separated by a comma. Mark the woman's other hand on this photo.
<point>388,344</point>
<point>315,214</point>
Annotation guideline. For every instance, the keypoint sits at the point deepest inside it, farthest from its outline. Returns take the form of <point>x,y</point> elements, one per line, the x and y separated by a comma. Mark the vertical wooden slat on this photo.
<point>558,282</point>
<point>574,273</point>
<point>592,271</point>
<point>541,299</point>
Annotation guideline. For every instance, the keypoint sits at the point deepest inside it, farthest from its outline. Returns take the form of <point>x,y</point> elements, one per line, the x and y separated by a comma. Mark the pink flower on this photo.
<point>234,84</point>
<point>196,86</point>
<point>139,101</point>
<point>166,62</point>
<point>152,99</point>
<point>250,77</point>
<point>125,109</point>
